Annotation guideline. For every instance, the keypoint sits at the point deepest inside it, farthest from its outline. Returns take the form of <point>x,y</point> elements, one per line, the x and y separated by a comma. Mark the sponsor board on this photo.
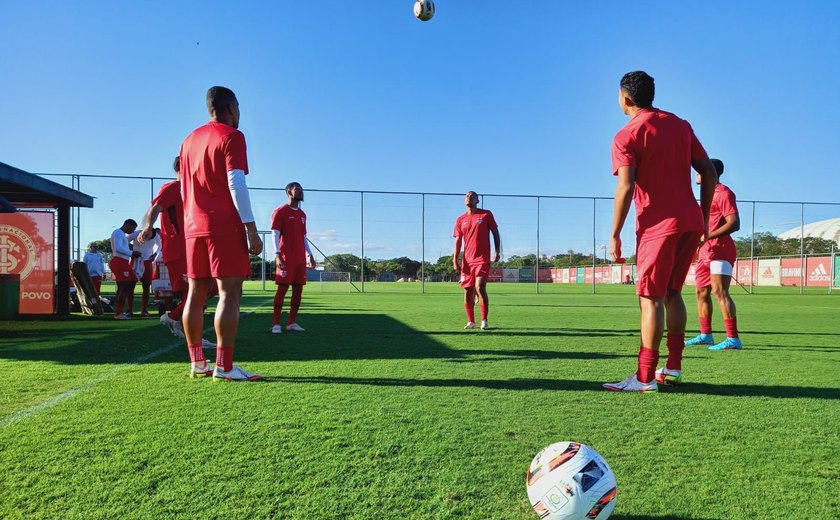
<point>791,271</point>
<point>565,277</point>
<point>545,275</point>
<point>496,274</point>
<point>616,273</point>
<point>770,272</point>
<point>837,271</point>
<point>817,270</point>
<point>745,271</point>
<point>510,275</point>
<point>27,248</point>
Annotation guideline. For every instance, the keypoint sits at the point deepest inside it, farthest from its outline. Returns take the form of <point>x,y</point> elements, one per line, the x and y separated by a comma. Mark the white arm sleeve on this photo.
<point>306,245</point>
<point>239,192</point>
<point>276,241</point>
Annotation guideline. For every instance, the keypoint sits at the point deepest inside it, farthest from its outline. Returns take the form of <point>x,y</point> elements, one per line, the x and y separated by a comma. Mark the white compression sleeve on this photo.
<point>276,241</point>
<point>306,245</point>
<point>239,192</point>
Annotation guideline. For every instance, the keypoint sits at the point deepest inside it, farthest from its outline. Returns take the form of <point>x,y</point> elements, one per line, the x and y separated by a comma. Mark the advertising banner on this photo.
<point>836,270</point>
<point>496,274</point>
<point>691,277</point>
<point>545,274</point>
<point>817,269</point>
<point>770,272</point>
<point>627,274</point>
<point>526,274</point>
<point>564,276</point>
<point>581,274</point>
<point>587,275</point>
<point>745,270</point>
<point>598,274</point>
<point>510,275</point>
<point>27,248</point>
<point>791,271</point>
<point>616,273</point>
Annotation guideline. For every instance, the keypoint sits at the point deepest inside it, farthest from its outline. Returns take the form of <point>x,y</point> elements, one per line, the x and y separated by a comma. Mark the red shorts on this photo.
<point>177,274</point>
<point>219,256</point>
<point>121,269</point>
<point>662,263</point>
<point>469,272</point>
<point>148,270</point>
<point>295,274</point>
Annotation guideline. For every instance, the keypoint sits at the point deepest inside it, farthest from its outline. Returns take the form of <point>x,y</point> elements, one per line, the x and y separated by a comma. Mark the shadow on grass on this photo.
<point>669,517</point>
<point>574,385</point>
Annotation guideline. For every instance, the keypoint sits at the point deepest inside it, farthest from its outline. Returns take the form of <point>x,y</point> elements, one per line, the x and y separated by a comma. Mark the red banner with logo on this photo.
<point>791,271</point>
<point>496,274</point>
<point>818,271</point>
<point>745,270</point>
<point>27,248</point>
<point>544,275</point>
<point>587,275</point>
<point>573,278</point>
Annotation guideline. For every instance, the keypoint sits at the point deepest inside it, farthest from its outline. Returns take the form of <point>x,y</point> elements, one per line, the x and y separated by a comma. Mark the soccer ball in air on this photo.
<point>424,10</point>
<point>571,481</point>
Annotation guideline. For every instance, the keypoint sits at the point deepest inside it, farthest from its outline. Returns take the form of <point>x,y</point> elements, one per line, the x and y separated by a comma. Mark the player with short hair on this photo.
<point>95,265</point>
<point>652,157</point>
<point>292,256</point>
<point>120,264</point>
<point>713,273</point>
<point>220,231</point>
<point>473,229</point>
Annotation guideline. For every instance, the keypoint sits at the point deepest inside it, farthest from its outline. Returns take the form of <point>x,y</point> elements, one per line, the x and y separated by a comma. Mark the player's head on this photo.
<point>176,166</point>
<point>718,164</point>
<point>129,225</point>
<point>223,106</point>
<point>294,191</point>
<point>92,247</point>
<point>636,90</point>
<point>471,199</point>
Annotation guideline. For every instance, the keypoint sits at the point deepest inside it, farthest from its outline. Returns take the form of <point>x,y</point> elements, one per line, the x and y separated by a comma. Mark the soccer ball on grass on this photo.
<point>571,481</point>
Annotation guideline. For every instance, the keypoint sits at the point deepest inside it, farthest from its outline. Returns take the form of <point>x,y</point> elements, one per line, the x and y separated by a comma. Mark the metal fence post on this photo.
<point>538,246</point>
<point>362,227</point>
<point>423,243</point>
<point>802,249</point>
<point>265,243</point>
<point>594,246</point>
<point>752,245</point>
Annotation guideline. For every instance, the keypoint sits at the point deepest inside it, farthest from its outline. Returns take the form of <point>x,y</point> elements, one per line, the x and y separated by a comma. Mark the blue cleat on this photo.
<point>727,344</point>
<point>701,339</point>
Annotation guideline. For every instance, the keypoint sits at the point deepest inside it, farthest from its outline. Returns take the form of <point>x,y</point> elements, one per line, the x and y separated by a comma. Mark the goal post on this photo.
<point>334,281</point>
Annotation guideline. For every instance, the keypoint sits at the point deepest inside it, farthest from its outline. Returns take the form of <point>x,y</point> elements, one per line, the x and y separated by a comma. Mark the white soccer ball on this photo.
<point>424,10</point>
<point>571,481</point>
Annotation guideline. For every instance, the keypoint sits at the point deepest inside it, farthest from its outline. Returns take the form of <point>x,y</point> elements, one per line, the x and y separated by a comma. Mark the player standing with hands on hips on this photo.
<point>219,229</point>
<point>474,228</point>
<point>292,256</point>
<point>652,157</point>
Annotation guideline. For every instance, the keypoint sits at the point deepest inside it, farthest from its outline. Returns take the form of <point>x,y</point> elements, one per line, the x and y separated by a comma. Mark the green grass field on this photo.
<point>385,408</point>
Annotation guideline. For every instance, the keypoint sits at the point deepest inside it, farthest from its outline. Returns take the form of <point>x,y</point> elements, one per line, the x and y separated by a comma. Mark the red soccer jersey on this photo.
<point>723,205</point>
<point>291,223</point>
<point>207,154</point>
<point>474,229</point>
<point>171,220</point>
<point>661,147</point>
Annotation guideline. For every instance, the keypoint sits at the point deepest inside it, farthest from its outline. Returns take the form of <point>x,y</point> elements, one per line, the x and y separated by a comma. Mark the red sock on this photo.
<point>470,308</point>
<point>648,358</point>
<point>224,357</point>
<point>294,302</point>
<point>731,325</point>
<point>485,308</point>
<point>676,344</point>
<point>178,312</point>
<point>705,324</point>
<point>279,296</point>
<point>196,353</point>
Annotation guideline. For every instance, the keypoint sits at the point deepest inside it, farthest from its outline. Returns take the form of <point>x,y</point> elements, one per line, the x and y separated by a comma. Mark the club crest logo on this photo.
<point>17,251</point>
<point>480,220</point>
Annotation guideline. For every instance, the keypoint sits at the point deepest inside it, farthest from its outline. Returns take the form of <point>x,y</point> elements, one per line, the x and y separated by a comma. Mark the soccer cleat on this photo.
<point>295,327</point>
<point>207,344</point>
<point>485,325</point>
<point>667,376</point>
<point>470,325</point>
<point>174,326</point>
<point>205,371</point>
<point>145,314</point>
<point>701,339</point>
<point>234,374</point>
<point>727,344</point>
<point>276,329</point>
<point>122,317</point>
<point>631,384</point>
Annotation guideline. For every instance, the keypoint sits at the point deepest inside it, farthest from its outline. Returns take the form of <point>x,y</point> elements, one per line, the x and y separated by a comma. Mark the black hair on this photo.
<point>130,222</point>
<point>718,166</point>
<point>292,185</point>
<point>639,85</point>
<point>176,164</point>
<point>219,98</point>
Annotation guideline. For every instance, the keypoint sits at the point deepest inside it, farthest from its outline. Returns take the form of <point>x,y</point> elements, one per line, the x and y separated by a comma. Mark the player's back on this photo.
<point>207,154</point>
<point>663,145</point>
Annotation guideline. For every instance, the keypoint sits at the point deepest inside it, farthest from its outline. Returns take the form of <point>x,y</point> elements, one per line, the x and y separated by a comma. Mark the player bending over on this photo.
<point>714,268</point>
<point>292,255</point>
<point>652,157</point>
<point>120,264</point>
<point>473,228</point>
<point>217,213</point>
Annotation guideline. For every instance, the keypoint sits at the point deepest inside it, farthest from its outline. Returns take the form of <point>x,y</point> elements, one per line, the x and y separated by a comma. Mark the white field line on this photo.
<point>56,399</point>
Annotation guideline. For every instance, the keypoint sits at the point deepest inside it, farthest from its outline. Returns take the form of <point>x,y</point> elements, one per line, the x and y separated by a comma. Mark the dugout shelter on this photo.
<point>35,238</point>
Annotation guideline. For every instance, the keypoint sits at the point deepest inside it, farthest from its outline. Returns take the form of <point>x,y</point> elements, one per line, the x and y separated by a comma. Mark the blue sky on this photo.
<point>516,97</point>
